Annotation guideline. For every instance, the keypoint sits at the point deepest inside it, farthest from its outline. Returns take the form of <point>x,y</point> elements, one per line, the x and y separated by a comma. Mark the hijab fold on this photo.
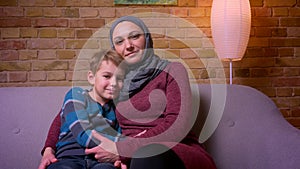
<point>147,69</point>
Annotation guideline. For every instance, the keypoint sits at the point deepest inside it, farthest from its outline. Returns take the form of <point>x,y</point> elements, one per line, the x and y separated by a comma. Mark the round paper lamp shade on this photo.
<point>230,24</point>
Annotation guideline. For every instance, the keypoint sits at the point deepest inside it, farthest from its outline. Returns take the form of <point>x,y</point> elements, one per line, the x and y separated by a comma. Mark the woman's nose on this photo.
<point>129,45</point>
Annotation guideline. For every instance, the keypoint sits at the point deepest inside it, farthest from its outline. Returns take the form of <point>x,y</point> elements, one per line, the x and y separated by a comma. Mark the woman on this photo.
<point>154,107</point>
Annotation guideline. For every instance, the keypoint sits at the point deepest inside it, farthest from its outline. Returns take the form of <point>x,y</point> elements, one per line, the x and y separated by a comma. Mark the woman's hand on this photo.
<point>106,151</point>
<point>119,164</point>
<point>102,155</point>
<point>48,158</point>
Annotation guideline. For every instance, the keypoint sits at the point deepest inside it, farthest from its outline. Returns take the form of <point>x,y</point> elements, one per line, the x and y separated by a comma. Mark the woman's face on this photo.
<point>129,41</point>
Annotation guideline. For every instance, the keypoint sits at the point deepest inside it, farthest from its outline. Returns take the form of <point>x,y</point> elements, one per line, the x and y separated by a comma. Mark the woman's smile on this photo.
<point>130,54</point>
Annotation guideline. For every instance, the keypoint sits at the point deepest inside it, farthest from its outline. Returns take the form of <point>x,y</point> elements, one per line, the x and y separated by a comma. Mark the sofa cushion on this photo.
<point>26,114</point>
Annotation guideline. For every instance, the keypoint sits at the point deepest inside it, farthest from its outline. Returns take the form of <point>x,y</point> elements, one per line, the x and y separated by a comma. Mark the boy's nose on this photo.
<point>113,81</point>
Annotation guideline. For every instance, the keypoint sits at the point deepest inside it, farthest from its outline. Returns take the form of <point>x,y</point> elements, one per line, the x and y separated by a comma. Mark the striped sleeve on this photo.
<point>75,117</point>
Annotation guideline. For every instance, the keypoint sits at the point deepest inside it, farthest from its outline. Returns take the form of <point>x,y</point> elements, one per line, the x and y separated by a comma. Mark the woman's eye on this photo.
<point>135,36</point>
<point>118,42</point>
<point>121,78</point>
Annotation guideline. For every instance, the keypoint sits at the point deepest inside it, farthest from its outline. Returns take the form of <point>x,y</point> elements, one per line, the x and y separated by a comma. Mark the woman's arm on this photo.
<point>48,152</point>
<point>176,123</point>
<point>177,116</point>
<point>53,134</point>
<point>48,158</point>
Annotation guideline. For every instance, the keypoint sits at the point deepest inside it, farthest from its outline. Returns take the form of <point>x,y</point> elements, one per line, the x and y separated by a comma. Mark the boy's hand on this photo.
<point>48,158</point>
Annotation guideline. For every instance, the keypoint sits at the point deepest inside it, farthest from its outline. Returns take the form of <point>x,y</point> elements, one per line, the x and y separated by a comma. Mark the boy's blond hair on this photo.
<point>106,55</point>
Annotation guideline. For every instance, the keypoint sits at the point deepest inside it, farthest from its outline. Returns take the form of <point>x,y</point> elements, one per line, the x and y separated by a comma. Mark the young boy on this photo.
<point>84,111</point>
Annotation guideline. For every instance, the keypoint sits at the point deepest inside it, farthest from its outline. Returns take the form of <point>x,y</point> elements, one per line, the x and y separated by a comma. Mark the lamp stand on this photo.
<point>230,71</point>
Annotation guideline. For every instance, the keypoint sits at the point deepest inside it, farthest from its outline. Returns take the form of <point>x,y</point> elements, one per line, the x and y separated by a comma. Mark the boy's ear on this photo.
<point>91,77</point>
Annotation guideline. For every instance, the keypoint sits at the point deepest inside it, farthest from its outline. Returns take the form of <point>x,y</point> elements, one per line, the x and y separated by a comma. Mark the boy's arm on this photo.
<point>76,118</point>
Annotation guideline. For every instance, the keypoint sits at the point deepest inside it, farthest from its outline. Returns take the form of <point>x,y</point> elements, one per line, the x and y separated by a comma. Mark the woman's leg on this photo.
<point>148,157</point>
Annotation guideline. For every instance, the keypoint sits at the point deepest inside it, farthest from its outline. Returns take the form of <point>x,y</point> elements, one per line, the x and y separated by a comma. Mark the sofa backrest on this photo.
<point>240,126</point>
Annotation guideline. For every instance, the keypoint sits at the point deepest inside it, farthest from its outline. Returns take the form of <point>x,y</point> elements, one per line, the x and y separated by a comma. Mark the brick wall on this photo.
<point>41,41</point>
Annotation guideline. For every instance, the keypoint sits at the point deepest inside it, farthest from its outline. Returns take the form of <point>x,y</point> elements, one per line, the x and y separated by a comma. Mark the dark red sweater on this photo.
<point>164,109</point>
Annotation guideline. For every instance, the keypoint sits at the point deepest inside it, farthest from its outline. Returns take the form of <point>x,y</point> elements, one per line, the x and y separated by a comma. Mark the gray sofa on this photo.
<point>241,127</point>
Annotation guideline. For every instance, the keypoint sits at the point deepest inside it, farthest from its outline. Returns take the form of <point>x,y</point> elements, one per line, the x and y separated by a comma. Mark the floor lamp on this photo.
<point>230,24</point>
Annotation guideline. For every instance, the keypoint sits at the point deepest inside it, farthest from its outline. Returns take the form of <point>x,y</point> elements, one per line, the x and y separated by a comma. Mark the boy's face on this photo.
<point>107,82</point>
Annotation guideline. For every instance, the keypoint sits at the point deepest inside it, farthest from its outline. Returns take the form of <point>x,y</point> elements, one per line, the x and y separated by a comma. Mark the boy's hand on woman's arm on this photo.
<point>48,158</point>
